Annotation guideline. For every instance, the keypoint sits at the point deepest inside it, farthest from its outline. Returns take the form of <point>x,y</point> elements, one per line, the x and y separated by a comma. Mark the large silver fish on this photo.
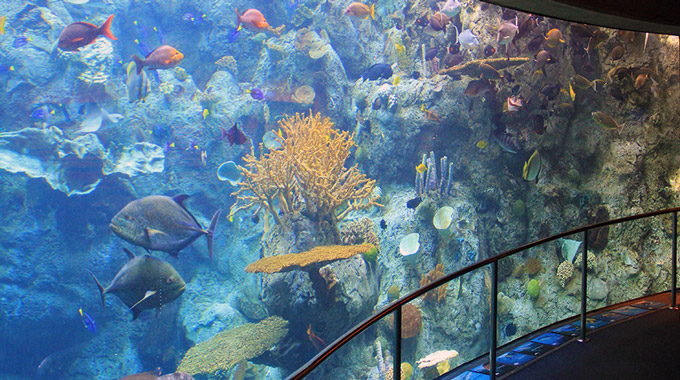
<point>144,282</point>
<point>160,223</point>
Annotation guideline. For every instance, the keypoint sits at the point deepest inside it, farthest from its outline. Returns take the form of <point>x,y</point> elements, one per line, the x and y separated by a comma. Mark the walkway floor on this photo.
<point>627,342</point>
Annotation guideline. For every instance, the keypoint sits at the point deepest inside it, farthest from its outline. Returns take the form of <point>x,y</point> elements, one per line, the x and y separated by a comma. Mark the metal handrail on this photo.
<point>396,305</point>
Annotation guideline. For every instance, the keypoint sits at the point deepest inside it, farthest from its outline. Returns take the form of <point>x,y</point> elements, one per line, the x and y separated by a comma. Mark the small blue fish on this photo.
<point>6,68</point>
<point>256,93</point>
<point>193,19</point>
<point>20,41</point>
<point>42,112</point>
<point>88,321</point>
<point>233,34</point>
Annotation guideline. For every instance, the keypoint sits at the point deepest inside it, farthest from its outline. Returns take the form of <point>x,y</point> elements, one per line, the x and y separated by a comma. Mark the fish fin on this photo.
<point>130,255</point>
<point>102,291</point>
<point>77,39</point>
<point>148,294</point>
<point>238,19</point>
<point>92,123</point>
<point>105,29</point>
<point>151,233</point>
<point>135,313</point>
<point>139,62</point>
<point>211,231</point>
<point>180,199</point>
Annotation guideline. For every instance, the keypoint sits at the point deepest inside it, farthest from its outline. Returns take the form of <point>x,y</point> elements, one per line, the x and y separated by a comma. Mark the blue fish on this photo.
<point>88,321</point>
<point>377,71</point>
<point>5,68</point>
<point>193,19</point>
<point>20,41</point>
<point>233,34</point>
<point>256,93</point>
<point>41,112</point>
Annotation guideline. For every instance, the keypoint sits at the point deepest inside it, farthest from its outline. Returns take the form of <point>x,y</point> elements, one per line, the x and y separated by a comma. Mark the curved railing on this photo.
<point>396,306</point>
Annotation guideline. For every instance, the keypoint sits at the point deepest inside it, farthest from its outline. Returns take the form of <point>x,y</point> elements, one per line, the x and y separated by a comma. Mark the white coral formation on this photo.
<point>564,272</point>
<point>436,358</point>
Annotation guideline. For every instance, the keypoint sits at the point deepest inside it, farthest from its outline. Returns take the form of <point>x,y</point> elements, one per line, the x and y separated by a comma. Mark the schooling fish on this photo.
<point>506,33</point>
<point>251,19</point>
<point>80,34</point>
<point>162,57</point>
<point>160,223</point>
<point>467,39</point>
<point>451,8</point>
<point>554,38</point>
<point>144,282</point>
<point>256,93</point>
<point>360,10</point>
<point>21,41</point>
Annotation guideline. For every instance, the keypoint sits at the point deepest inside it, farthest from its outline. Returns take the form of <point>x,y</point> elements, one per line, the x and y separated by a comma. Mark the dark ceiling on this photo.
<point>656,16</point>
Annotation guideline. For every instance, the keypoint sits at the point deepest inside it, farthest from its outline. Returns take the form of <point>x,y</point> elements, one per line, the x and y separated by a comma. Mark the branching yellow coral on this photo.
<point>306,174</point>
<point>317,255</point>
<point>228,348</point>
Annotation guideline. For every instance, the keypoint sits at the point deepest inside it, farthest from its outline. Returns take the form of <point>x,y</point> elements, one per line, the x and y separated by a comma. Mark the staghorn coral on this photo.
<point>228,348</point>
<point>307,174</point>
<point>435,274</point>
<point>358,232</point>
<point>317,255</point>
<point>472,68</point>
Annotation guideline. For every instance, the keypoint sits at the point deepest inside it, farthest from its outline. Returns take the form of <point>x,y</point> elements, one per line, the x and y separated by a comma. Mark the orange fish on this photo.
<point>162,57</point>
<point>360,10</point>
<point>252,19</point>
<point>554,38</point>
<point>79,34</point>
<point>317,342</point>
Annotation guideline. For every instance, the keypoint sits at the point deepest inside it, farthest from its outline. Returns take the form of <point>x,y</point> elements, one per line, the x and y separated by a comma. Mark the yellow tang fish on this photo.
<point>572,94</point>
<point>481,144</point>
<point>397,79</point>
<point>205,113</point>
<point>421,168</point>
<point>400,48</point>
<point>3,20</point>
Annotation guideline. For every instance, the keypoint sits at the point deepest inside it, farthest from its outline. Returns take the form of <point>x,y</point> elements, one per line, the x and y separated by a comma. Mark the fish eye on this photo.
<point>170,280</point>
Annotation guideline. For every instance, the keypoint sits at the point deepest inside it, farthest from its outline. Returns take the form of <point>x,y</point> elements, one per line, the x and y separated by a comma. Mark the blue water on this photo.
<point>547,135</point>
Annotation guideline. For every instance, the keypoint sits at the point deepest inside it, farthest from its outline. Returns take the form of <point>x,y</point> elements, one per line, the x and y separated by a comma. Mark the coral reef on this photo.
<point>438,294</point>
<point>318,255</point>
<point>228,348</point>
<point>473,68</point>
<point>307,174</point>
<point>564,272</point>
<point>358,232</point>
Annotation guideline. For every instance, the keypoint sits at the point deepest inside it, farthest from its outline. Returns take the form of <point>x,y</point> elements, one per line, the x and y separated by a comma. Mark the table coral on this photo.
<point>307,174</point>
<point>317,255</point>
<point>228,348</point>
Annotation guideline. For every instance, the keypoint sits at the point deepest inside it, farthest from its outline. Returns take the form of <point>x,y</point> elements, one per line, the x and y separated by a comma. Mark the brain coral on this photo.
<point>564,272</point>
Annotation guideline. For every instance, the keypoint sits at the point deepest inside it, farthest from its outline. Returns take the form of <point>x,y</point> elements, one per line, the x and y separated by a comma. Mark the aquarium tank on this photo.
<point>220,189</point>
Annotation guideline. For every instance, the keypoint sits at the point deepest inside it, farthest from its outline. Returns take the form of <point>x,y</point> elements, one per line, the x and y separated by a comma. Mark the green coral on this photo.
<point>533,288</point>
<point>228,348</point>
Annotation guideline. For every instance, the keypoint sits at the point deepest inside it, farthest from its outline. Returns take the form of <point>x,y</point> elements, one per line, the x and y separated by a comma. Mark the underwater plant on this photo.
<point>306,175</point>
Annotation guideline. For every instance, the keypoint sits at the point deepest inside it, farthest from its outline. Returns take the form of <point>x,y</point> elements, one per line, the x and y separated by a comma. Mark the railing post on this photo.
<point>584,286</point>
<point>494,319</point>
<point>396,371</point>
<point>674,261</point>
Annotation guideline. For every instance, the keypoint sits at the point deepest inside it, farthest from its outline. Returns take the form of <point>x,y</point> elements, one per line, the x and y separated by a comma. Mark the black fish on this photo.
<point>489,51</point>
<point>160,223</point>
<point>144,282</point>
<point>379,70</point>
<point>234,135</point>
<point>413,203</point>
<point>255,218</point>
<point>383,224</point>
<point>415,75</point>
<point>535,44</point>
<point>454,48</point>
<point>422,20</point>
<point>537,124</point>
<point>551,91</point>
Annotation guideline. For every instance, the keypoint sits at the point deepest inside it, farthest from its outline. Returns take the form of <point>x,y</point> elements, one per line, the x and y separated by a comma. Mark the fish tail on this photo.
<point>105,29</point>
<point>139,62</point>
<point>373,11</point>
<point>102,291</point>
<point>211,231</point>
<point>238,18</point>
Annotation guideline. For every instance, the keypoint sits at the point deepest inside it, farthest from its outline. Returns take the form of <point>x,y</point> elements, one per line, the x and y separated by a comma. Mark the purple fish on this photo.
<point>234,135</point>
<point>20,42</point>
<point>257,94</point>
